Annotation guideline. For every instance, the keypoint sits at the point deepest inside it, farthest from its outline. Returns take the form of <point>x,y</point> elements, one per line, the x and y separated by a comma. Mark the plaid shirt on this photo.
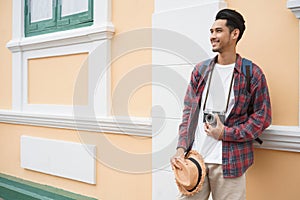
<point>240,129</point>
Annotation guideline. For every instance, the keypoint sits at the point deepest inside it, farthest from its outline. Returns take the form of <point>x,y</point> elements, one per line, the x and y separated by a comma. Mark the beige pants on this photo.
<point>221,188</point>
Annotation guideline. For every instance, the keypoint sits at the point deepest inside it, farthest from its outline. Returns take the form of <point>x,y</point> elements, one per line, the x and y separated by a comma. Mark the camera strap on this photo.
<point>208,88</point>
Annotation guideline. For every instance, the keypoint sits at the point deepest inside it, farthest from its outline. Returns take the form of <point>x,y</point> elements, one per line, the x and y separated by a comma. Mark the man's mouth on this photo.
<point>214,43</point>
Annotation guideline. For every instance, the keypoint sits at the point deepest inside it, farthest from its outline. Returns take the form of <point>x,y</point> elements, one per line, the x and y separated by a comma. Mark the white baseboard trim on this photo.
<point>284,138</point>
<point>118,125</point>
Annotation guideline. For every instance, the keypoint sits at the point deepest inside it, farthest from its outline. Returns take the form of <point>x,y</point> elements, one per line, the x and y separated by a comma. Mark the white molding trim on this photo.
<point>63,38</point>
<point>95,94</point>
<point>284,138</point>
<point>116,125</point>
<point>294,6</point>
<point>102,92</point>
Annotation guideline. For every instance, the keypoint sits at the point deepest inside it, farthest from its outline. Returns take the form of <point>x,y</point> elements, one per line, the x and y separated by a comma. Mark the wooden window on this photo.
<point>47,16</point>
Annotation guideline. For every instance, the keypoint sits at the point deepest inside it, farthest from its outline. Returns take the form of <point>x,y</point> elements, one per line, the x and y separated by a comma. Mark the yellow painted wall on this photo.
<point>51,80</point>
<point>272,40</point>
<point>130,186</point>
<point>5,55</point>
<point>128,17</point>
<point>111,184</point>
<point>274,176</point>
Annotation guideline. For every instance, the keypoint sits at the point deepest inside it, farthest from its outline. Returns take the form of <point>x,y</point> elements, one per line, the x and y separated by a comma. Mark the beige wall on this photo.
<point>51,80</point>
<point>5,55</point>
<point>274,176</point>
<point>130,186</point>
<point>272,40</point>
<point>129,16</point>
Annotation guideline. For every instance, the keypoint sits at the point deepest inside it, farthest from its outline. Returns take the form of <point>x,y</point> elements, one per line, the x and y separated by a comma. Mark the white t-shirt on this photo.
<point>207,146</point>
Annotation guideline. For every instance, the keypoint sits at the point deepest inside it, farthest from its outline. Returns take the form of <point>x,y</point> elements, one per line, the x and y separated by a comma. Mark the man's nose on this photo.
<point>212,35</point>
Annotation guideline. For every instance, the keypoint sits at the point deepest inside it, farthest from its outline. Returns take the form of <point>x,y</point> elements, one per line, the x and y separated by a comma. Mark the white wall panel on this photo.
<point>165,186</point>
<point>65,159</point>
<point>168,90</point>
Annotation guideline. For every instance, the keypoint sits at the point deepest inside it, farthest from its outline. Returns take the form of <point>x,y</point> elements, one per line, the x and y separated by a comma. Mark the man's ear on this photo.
<point>235,33</point>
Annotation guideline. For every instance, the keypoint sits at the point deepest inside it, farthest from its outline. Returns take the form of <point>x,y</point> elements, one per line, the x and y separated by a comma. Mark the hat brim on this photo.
<point>197,159</point>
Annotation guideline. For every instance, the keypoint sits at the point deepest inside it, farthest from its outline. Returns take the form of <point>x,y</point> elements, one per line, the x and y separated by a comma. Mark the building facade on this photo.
<point>92,94</point>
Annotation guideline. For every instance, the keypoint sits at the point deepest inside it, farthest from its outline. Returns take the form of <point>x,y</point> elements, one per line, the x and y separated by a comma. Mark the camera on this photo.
<point>209,117</point>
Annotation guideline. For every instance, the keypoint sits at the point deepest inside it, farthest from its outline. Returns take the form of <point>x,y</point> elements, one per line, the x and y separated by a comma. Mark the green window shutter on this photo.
<point>58,22</point>
<point>39,27</point>
<point>77,18</point>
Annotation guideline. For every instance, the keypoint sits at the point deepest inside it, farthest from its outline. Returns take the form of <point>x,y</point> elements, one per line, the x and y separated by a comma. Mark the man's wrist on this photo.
<point>222,133</point>
<point>180,151</point>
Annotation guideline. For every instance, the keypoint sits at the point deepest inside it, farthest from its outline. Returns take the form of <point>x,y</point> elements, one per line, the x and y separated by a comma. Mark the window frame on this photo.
<point>58,22</point>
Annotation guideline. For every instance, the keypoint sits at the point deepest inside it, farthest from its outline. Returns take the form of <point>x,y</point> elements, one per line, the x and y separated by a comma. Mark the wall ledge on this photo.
<point>117,125</point>
<point>294,6</point>
<point>284,138</point>
<point>62,38</point>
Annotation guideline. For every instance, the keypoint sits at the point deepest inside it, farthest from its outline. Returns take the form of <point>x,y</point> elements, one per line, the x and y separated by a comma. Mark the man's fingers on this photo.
<point>218,120</point>
<point>206,127</point>
<point>177,166</point>
<point>177,162</point>
<point>217,117</point>
<point>181,161</point>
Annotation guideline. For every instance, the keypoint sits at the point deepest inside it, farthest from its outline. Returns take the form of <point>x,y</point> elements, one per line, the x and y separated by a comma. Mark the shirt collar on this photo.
<point>238,62</point>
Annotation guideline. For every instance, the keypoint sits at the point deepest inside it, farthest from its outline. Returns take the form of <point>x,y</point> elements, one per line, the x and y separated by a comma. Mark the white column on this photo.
<point>180,39</point>
<point>17,55</point>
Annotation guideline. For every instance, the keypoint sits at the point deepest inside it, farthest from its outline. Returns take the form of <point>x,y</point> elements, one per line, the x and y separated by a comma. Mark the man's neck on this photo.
<point>226,58</point>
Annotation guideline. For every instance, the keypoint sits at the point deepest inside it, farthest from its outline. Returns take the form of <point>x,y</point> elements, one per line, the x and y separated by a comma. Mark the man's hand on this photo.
<point>215,132</point>
<point>178,157</point>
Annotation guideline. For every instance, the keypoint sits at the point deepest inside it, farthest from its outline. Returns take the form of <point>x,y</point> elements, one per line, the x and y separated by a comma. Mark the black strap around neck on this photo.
<point>208,88</point>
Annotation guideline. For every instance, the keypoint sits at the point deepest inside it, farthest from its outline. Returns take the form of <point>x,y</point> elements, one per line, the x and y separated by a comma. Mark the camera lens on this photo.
<point>210,118</point>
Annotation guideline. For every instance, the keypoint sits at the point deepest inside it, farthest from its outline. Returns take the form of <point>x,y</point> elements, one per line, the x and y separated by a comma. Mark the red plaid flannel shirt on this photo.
<point>240,129</point>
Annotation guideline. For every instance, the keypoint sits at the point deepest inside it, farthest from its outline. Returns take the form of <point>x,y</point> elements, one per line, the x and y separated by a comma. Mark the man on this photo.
<point>221,87</point>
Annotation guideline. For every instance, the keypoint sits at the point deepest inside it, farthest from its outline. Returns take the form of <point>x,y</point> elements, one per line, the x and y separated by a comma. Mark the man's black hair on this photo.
<point>234,20</point>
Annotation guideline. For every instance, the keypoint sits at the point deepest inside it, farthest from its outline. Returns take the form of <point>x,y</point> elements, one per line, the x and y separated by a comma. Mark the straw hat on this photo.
<point>191,176</point>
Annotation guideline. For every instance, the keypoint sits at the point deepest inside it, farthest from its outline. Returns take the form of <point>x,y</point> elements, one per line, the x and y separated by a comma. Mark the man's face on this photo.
<point>221,39</point>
